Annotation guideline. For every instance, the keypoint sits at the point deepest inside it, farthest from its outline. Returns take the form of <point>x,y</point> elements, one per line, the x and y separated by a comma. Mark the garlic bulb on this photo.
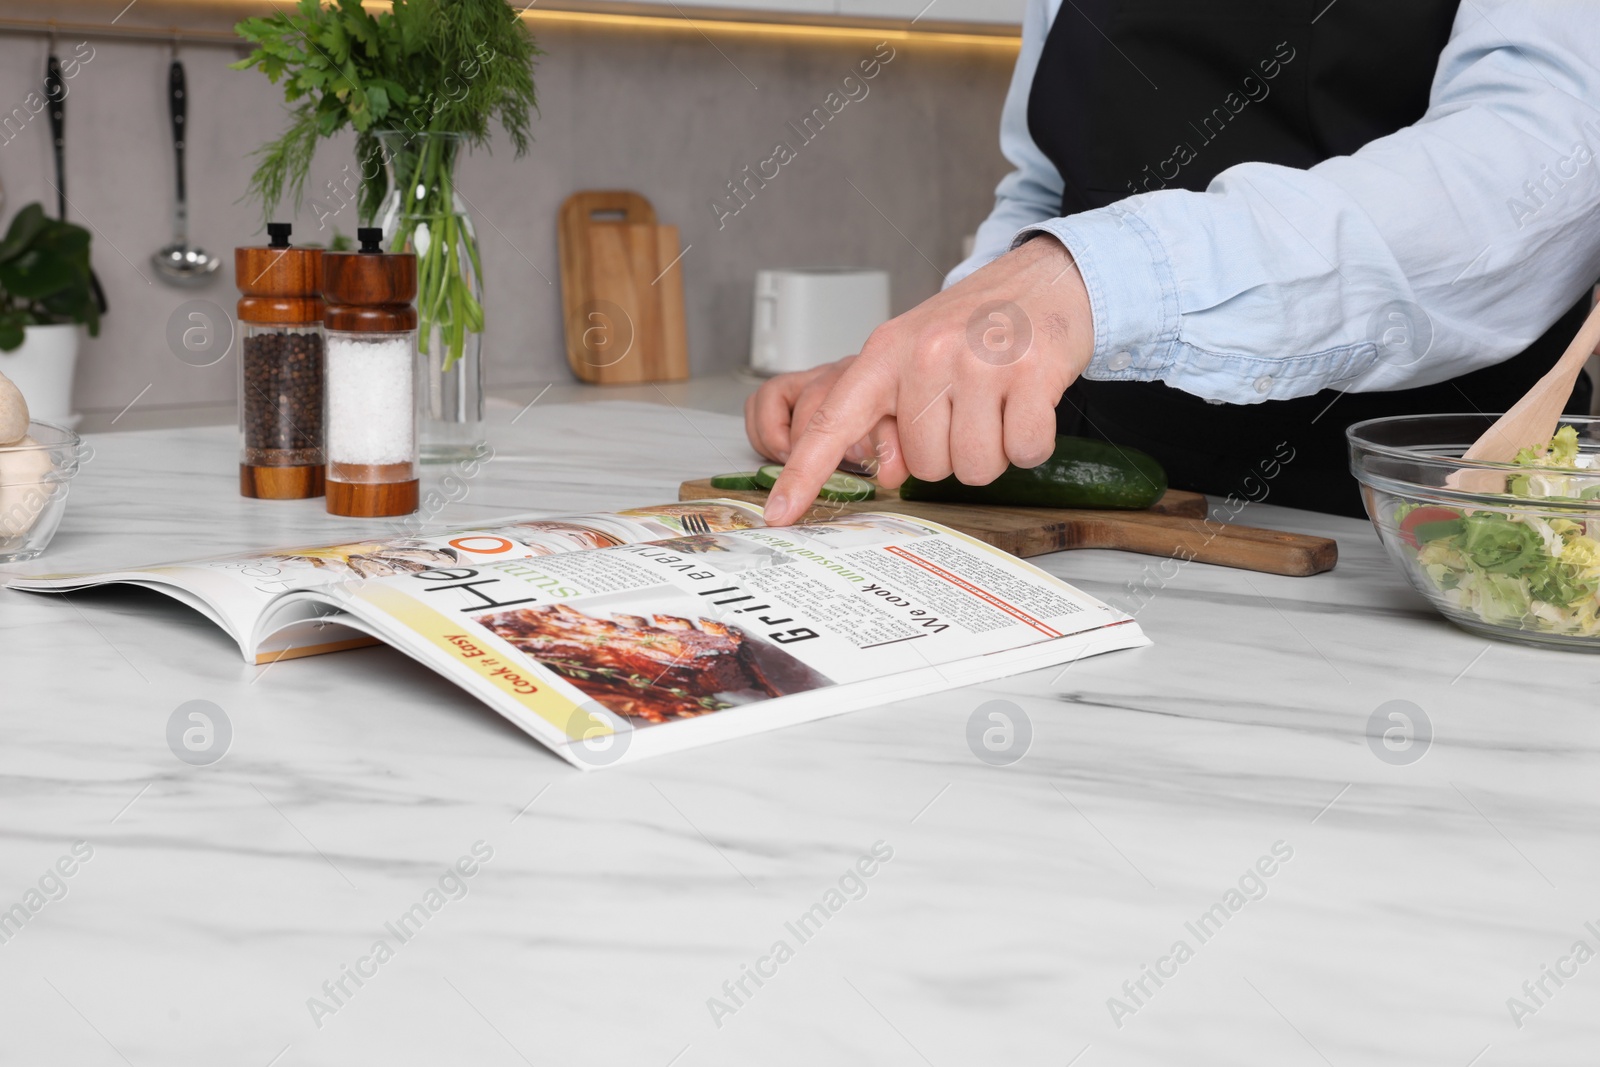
<point>13,413</point>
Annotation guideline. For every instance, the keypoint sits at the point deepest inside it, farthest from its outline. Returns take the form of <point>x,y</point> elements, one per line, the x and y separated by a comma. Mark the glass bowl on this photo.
<point>1510,552</point>
<point>34,478</point>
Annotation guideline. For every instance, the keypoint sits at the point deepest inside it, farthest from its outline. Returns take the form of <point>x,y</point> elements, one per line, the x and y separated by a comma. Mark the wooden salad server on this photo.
<point>1533,420</point>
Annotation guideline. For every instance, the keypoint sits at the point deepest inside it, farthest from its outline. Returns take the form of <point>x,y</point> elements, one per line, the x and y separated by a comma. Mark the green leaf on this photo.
<point>393,90</point>
<point>375,178</point>
<point>24,228</point>
<point>44,274</point>
<point>328,123</point>
<point>11,332</point>
<point>65,241</point>
<point>32,276</point>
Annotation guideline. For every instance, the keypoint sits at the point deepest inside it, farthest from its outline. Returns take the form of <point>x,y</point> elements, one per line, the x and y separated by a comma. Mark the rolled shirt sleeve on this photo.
<point>1465,235</point>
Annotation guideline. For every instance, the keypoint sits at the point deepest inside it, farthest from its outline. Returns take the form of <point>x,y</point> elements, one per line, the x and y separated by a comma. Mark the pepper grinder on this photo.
<point>371,378</point>
<point>280,370</point>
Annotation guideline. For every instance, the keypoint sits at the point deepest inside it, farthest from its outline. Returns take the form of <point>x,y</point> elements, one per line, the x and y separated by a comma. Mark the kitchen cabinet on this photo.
<point>1005,12</point>
<point>763,7</point>
<point>996,11</point>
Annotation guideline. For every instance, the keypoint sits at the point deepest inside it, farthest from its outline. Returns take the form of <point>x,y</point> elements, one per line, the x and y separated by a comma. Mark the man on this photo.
<point>1236,227</point>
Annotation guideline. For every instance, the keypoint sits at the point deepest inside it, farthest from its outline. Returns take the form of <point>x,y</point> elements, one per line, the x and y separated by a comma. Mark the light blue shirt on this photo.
<point>1446,247</point>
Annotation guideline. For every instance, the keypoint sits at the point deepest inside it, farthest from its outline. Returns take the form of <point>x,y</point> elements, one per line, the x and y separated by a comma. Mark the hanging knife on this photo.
<point>55,93</point>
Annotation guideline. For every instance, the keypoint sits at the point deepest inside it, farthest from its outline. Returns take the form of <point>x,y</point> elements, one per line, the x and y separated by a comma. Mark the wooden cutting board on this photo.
<point>621,291</point>
<point>1175,527</point>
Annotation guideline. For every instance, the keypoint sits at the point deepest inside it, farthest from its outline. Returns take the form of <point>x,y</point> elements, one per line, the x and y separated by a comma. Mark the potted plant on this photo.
<point>420,84</point>
<point>45,295</point>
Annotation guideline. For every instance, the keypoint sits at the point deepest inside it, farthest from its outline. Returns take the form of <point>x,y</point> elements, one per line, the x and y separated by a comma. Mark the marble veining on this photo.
<point>1020,902</point>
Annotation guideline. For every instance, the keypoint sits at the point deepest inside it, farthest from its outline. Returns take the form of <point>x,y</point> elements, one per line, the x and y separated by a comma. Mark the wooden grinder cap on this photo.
<point>279,285</point>
<point>370,291</point>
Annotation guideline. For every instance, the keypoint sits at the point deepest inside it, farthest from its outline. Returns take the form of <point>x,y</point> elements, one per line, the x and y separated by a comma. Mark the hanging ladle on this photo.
<point>181,263</point>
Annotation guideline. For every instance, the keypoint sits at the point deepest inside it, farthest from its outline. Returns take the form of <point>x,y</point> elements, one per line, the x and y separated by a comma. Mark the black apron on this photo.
<point>1290,82</point>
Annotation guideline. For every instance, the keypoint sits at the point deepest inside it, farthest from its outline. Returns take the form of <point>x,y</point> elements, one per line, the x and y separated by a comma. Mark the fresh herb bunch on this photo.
<point>44,276</point>
<point>437,66</point>
<point>425,67</point>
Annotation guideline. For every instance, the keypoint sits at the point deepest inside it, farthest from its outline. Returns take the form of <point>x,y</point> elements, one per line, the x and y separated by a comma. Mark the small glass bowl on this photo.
<point>1511,567</point>
<point>34,479</point>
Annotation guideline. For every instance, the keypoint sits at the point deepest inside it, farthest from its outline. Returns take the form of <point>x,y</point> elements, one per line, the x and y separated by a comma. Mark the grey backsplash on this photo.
<point>667,114</point>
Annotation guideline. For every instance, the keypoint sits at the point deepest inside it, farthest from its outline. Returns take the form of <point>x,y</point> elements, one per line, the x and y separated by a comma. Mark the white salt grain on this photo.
<point>371,417</point>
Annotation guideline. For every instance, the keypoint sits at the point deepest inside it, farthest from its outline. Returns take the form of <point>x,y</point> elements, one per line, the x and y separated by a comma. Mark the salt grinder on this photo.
<point>371,414</point>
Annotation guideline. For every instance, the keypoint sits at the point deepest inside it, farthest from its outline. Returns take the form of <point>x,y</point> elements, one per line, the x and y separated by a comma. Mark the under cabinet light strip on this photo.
<point>599,20</point>
<point>788,31</point>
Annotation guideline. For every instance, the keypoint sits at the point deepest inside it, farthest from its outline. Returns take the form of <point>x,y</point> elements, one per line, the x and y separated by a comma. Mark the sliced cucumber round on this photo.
<point>840,487</point>
<point>739,480</point>
<point>844,488</point>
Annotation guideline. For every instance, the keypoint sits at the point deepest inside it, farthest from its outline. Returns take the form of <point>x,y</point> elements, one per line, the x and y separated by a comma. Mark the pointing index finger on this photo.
<point>851,409</point>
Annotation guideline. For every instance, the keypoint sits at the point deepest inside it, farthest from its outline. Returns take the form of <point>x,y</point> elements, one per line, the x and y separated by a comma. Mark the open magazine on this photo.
<point>611,637</point>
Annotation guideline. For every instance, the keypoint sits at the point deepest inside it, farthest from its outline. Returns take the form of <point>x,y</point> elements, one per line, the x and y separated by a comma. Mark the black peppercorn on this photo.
<point>283,398</point>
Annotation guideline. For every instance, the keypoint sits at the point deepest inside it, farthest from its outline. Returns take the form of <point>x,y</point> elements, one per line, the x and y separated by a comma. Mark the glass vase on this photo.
<point>422,213</point>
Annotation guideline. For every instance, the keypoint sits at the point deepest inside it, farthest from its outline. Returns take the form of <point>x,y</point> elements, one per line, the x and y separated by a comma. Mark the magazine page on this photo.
<point>639,649</point>
<point>235,591</point>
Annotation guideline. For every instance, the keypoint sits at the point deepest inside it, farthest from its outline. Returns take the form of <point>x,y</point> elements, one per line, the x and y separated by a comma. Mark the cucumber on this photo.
<point>845,488</point>
<point>1080,473</point>
<point>841,487</point>
<point>741,480</point>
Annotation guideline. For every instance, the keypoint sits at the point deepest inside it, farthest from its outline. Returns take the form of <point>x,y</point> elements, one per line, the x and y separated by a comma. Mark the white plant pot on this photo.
<point>43,368</point>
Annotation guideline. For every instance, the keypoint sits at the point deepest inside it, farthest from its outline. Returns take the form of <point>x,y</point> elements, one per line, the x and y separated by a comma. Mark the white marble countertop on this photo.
<point>723,392</point>
<point>1018,900</point>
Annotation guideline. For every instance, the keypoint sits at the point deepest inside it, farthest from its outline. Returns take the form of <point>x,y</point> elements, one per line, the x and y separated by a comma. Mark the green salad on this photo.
<point>1532,570</point>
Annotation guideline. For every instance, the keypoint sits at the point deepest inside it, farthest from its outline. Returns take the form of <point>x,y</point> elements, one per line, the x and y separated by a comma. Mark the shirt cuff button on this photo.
<point>1264,384</point>
<point>1120,361</point>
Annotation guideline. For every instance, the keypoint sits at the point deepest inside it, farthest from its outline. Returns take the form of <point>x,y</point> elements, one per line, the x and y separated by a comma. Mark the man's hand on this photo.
<point>964,383</point>
<point>785,401</point>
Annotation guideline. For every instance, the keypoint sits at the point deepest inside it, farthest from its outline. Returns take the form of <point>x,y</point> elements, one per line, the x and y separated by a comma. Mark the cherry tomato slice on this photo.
<point>1423,517</point>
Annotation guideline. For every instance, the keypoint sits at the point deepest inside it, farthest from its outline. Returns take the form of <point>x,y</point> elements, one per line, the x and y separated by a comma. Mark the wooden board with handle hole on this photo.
<point>1176,527</point>
<point>621,291</point>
